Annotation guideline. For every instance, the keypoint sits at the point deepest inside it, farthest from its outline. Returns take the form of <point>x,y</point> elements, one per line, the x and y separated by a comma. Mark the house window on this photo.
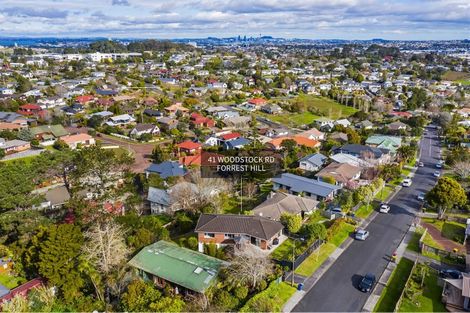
<point>229,236</point>
<point>209,235</point>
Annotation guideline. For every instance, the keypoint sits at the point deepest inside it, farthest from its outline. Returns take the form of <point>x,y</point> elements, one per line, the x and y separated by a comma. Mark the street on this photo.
<point>337,288</point>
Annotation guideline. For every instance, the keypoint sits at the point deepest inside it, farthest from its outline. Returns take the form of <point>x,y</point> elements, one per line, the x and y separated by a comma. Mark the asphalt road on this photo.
<point>337,288</point>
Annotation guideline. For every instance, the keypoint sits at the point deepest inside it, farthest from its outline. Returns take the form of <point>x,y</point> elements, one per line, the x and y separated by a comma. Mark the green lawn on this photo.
<point>405,171</point>
<point>449,229</point>
<point>464,82</point>
<point>429,301</point>
<point>276,295</point>
<point>365,210</point>
<point>413,245</point>
<point>384,193</point>
<point>292,119</point>
<point>326,107</point>
<point>284,251</point>
<point>392,291</point>
<point>10,281</point>
<point>311,264</point>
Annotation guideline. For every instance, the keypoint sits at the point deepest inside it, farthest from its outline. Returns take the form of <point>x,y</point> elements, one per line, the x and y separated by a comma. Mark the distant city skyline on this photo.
<point>309,19</point>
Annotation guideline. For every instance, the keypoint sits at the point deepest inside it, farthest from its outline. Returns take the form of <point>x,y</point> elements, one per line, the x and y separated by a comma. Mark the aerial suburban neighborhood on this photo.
<point>234,174</point>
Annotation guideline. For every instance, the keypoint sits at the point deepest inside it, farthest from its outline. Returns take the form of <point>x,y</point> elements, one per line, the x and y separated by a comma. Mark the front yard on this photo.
<point>313,262</point>
<point>391,293</point>
<point>449,229</point>
<point>271,299</point>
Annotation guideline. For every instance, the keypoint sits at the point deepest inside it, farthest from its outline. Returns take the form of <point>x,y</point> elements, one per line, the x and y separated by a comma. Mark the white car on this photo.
<point>420,196</point>
<point>438,165</point>
<point>420,164</point>
<point>361,234</point>
<point>406,182</point>
<point>384,208</point>
<point>437,174</point>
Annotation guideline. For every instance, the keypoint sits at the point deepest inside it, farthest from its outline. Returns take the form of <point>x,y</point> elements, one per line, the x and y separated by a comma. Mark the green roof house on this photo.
<point>48,132</point>
<point>391,143</point>
<point>163,262</point>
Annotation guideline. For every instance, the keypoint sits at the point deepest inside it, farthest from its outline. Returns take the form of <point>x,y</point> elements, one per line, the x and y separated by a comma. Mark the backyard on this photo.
<point>449,229</point>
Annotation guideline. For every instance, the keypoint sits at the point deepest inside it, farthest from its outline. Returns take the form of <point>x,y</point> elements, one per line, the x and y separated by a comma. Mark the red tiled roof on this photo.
<point>189,145</point>
<point>30,106</point>
<point>84,99</point>
<point>230,136</point>
<point>23,289</point>
<point>257,101</point>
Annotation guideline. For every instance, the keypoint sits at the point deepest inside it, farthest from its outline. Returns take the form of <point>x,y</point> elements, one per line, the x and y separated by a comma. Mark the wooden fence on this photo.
<point>397,306</point>
<point>456,257</point>
<point>299,259</point>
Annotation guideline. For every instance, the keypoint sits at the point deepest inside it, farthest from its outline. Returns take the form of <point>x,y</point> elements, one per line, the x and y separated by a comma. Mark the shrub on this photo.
<point>192,243</point>
<point>241,292</point>
<point>262,285</point>
<point>224,301</point>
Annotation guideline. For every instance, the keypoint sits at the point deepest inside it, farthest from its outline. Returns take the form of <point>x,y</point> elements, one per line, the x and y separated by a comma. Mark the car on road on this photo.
<point>420,196</point>
<point>384,208</point>
<point>367,283</point>
<point>420,164</point>
<point>450,273</point>
<point>437,174</point>
<point>438,165</point>
<point>406,182</point>
<point>361,234</point>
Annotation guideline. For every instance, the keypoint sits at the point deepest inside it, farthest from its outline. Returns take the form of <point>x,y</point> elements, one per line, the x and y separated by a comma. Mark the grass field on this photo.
<point>326,107</point>
<point>276,295</point>
<point>284,251</point>
<point>449,229</point>
<point>391,293</point>
<point>455,76</point>
<point>313,262</point>
<point>291,119</point>
<point>10,281</point>
<point>365,210</point>
<point>384,193</point>
<point>429,300</point>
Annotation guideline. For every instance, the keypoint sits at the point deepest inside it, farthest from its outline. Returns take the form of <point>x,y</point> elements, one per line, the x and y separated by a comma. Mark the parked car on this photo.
<point>420,164</point>
<point>384,208</point>
<point>454,274</point>
<point>420,196</point>
<point>367,283</point>
<point>437,174</point>
<point>438,165</point>
<point>361,234</point>
<point>406,182</point>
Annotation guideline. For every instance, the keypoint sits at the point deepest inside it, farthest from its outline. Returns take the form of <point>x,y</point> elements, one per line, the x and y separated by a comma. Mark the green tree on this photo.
<point>446,194</point>
<point>314,231</point>
<point>293,222</point>
<point>54,253</point>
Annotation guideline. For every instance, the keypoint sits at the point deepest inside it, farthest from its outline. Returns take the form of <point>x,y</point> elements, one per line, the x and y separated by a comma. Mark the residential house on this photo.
<point>284,203</point>
<point>189,147</point>
<point>73,109</point>
<point>167,123</point>
<point>12,121</point>
<point>198,120</point>
<point>257,102</point>
<point>78,140</point>
<point>47,134</point>
<point>153,113</point>
<point>340,137</point>
<point>85,99</point>
<point>14,146</point>
<point>237,230</point>
<point>177,107</point>
<point>397,126</point>
<point>271,109</point>
<point>344,174</point>
<point>54,198</point>
<point>391,143</point>
<point>365,124</point>
<point>33,110</point>
<point>370,154</point>
<point>120,120</point>
<point>236,143</point>
<point>166,169</point>
<point>350,159</point>
<point>22,290</point>
<point>299,140</point>
<point>159,200</point>
<point>343,122</point>
<point>312,162</point>
<point>168,265</point>
<point>456,293</point>
<point>238,121</point>
<point>141,129</point>
<point>295,184</point>
<point>324,122</point>
<point>313,134</point>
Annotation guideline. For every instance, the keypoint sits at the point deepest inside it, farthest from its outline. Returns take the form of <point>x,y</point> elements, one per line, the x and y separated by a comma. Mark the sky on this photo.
<point>312,19</point>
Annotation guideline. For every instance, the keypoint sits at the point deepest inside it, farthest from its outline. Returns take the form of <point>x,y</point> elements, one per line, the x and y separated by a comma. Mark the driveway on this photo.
<point>337,288</point>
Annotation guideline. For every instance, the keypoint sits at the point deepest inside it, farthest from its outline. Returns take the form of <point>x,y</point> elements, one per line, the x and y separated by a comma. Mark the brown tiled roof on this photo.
<point>342,172</point>
<point>281,203</point>
<point>255,226</point>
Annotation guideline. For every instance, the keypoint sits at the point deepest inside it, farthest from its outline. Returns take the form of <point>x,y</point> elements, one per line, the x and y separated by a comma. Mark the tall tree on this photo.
<point>446,194</point>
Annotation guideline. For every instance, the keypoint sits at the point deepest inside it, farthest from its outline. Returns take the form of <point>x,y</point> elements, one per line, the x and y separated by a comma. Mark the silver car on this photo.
<point>361,234</point>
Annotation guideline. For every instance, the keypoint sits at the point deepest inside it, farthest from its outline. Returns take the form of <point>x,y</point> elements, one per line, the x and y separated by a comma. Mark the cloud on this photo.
<point>120,2</point>
<point>409,19</point>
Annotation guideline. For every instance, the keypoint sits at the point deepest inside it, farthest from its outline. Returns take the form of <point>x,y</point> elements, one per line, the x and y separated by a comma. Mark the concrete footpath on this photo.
<point>312,279</point>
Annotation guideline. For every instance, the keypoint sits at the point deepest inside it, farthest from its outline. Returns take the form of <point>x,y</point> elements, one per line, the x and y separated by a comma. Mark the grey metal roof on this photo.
<point>167,169</point>
<point>281,203</point>
<point>157,195</point>
<point>359,150</point>
<point>316,159</point>
<point>302,184</point>
<point>9,116</point>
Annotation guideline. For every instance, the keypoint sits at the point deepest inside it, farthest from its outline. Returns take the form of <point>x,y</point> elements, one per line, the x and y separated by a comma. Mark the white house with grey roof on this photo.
<point>312,162</point>
<point>299,185</point>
